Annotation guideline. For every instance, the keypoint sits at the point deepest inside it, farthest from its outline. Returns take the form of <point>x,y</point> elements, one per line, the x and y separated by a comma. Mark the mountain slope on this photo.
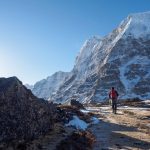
<point>46,87</point>
<point>120,59</point>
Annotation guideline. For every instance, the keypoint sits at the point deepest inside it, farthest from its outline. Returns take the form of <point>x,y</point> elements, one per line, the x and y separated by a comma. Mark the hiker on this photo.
<point>113,95</point>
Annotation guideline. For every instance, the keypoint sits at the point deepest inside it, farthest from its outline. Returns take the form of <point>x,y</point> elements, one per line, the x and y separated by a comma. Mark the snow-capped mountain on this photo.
<point>120,59</point>
<point>46,87</point>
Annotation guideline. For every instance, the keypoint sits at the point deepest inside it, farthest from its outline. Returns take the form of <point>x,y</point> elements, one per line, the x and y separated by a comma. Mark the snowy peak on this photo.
<point>138,24</point>
<point>135,26</point>
<point>141,17</point>
<point>87,47</point>
<point>112,61</point>
<point>91,42</point>
<point>120,59</point>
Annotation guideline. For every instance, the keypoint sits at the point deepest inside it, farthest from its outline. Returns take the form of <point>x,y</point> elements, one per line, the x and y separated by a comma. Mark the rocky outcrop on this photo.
<point>76,104</point>
<point>22,115</point>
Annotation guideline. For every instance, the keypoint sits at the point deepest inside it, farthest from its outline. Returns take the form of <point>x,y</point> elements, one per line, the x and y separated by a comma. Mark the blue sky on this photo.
<point>40,37</point>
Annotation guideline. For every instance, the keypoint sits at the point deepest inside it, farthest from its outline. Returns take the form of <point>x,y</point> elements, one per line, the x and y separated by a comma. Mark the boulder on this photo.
<point>77,104</point>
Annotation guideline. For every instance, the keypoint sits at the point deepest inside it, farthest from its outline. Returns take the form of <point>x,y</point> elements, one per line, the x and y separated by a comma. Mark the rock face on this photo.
<point>22,115</point>
<point>121,59</point>
<point>47,87</point>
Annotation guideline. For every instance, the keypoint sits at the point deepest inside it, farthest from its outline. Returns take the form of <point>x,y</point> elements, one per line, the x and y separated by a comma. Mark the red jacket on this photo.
<point>113,94</point>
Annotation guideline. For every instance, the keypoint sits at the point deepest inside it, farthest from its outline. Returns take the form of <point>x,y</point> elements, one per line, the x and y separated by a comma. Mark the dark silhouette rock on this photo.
<point>77,104</point>
<point>23,116</point>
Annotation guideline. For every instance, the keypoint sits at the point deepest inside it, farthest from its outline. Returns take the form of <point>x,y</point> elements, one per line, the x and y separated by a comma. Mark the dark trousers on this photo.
<point>114,105</point>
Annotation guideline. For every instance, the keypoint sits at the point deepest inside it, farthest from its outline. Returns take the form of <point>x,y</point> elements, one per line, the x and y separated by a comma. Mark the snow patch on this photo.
<point>146,101</point>
<point>85,111</point>
<point>93,109</point>
<point>132,108</point>
<point>140,24</point>
<point>129,84</point>
<point>77,123</point>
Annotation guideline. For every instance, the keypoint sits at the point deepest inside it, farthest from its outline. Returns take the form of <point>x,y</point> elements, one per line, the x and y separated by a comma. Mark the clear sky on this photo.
<point>40,37</point>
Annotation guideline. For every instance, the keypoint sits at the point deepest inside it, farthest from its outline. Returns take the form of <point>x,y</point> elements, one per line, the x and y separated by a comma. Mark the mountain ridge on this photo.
<point>108,61</point>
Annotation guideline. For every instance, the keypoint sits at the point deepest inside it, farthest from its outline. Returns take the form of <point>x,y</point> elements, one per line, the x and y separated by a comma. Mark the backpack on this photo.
<point>113,94</point>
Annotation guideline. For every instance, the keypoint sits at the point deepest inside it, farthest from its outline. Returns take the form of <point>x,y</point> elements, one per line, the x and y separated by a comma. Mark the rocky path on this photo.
<point>120,131</point>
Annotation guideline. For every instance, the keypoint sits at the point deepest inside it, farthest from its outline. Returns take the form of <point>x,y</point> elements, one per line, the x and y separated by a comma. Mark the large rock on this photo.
<point>22,115</point>
<point>77,104</point>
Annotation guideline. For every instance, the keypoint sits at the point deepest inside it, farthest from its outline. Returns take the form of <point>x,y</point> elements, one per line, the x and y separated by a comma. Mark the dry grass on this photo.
<point>136,118</point>
<point>128,112</point>
<point>81,140</point>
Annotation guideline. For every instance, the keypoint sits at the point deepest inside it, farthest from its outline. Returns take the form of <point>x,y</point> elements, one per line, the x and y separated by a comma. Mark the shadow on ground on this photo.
<point>115,136</point>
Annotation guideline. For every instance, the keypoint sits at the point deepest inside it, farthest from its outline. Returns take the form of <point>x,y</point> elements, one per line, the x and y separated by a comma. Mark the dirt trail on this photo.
<point>120,131</point>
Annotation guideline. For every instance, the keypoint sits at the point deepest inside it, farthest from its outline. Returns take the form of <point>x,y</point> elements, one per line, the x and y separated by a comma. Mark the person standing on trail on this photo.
<point>113,95</point>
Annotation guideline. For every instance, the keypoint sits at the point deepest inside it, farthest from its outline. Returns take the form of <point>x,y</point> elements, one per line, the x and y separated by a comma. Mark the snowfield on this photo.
<point>80,124</point>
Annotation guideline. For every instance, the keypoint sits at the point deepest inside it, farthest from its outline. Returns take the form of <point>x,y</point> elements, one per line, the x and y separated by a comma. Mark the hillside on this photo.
<point>23,116</point>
